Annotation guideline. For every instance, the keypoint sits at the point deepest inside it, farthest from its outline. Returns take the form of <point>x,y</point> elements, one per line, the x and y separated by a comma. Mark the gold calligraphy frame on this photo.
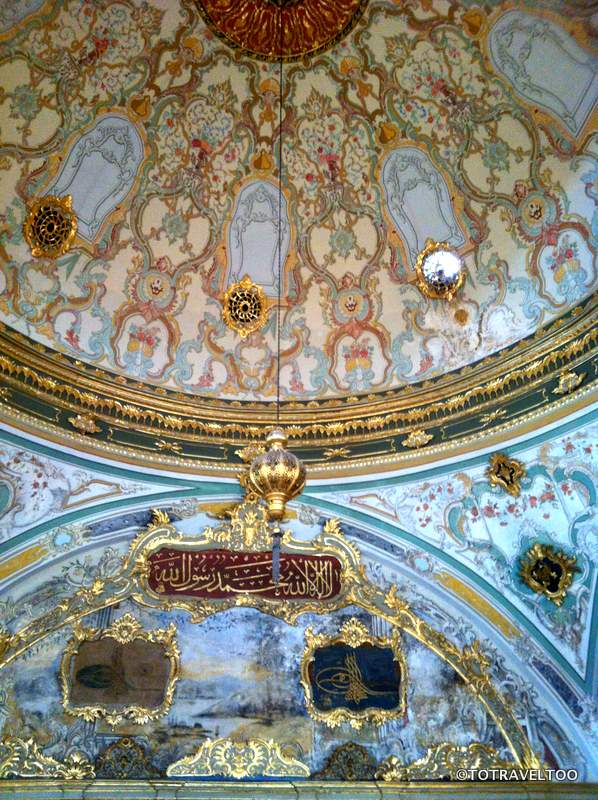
<point>130,582</point>
<point>353,633</point>
<point>124,630</point>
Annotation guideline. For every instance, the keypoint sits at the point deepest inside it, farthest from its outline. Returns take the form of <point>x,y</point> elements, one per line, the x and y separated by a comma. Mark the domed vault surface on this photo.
<point>466,123</point>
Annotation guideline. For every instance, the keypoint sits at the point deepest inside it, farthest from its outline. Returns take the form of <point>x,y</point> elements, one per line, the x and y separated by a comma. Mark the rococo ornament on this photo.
<point>308,26</point>
<point>245,759</point>
<point>84,423</point>
<point>418,438</point>
<point>244,307</point>
<point>50,226</point>
<point>440,271</point>
<point>348,679</point>
<point>568,381</point>
<point>548,572</point>
<point>442,761</point>
<point>124,759</point>
<point>23,758</point>
<point>277,475</point>
<point>124,630</point>
<point>353,589</point>
<point>505,472</point>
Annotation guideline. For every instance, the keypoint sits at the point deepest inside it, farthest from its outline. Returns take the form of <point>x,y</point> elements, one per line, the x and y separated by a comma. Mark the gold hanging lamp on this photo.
<point>277,475</point>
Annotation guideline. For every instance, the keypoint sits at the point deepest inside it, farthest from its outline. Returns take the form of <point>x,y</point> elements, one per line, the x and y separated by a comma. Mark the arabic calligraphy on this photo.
<point>355,678</point>
<point>223,573</point>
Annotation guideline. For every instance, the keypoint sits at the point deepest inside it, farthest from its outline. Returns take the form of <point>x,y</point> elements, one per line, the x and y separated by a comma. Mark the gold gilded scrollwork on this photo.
<point>130,582</point>
<point>505,472</point>
<point>353,633</point>
<point>124,630</point>
<point>548,572</point>
<point>238,760</point>
<point>68,386</point>
<point>435,283</point>
<point>23,758</point>
<point>418,438</point>
<point>84,423</point>
<point>568,381</point>
<point>442,761</point>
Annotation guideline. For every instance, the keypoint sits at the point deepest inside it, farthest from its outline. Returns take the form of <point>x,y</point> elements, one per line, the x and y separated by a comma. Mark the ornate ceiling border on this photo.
<point>535,381</point>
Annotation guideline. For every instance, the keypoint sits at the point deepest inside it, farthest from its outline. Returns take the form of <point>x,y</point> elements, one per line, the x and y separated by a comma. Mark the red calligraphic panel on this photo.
<point>218,574</point>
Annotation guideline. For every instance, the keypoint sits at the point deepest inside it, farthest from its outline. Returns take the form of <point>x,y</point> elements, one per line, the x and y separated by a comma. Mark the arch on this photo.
<point>132,582</point>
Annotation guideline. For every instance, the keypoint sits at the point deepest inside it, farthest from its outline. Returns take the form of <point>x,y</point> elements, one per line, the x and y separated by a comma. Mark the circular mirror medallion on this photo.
<point>440,271</point>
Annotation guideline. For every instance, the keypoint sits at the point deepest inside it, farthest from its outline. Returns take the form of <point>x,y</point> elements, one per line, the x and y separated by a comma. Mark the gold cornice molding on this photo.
<point>80,385</point>
<point>387,460</point>
<point>473,401</point>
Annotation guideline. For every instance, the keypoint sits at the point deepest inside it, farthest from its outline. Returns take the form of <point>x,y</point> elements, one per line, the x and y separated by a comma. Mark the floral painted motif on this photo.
<point>487,530</point>
<point>180,127</point>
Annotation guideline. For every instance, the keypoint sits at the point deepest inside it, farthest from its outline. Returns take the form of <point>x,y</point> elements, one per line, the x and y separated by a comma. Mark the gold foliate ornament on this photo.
<point>418,438</point>
<point>245,308</point>
<point>439,270</point>
<point>84,423</point>
<point>548,572</point>
<point>568,381</point>
<point>505,472</point>
<point>50,227</point>
<point>246,759</point>
<point>444,760</point>
<point>277,475</point>
<point>23,758</point>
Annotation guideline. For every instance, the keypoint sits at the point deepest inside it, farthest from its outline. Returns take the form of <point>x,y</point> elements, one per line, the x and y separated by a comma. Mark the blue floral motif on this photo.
<point>176,227</point>
<point>496,156</point>
<point>342,241</point>
<point>25,103</point>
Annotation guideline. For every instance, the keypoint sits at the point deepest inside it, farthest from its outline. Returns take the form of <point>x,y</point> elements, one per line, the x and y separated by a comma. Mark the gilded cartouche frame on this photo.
<point>567,563</point>
<point>353,633</point>
<point>124,630</point>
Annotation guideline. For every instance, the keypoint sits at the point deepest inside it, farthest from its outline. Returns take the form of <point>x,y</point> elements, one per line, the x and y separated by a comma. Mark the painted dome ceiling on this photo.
<point>468,123</point>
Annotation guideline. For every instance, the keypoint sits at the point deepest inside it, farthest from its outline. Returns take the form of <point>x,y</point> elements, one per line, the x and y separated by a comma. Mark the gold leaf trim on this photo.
<point>506,473</point>
<point>244,759</point>
<point>130,582</point>
<point>417,438</point>
<point>538,579</point>
<point>50,226</point>
<point>444,760</point>
<point>23,758</point>
<point>244,307</point>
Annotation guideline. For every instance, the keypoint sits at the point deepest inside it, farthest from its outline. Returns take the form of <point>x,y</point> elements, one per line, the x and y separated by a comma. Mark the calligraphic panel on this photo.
<point>355,678</point>
<point>219,574</point>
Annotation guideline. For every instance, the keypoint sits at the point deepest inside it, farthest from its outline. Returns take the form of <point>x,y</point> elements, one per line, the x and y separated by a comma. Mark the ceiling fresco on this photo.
<point>423,120</point>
